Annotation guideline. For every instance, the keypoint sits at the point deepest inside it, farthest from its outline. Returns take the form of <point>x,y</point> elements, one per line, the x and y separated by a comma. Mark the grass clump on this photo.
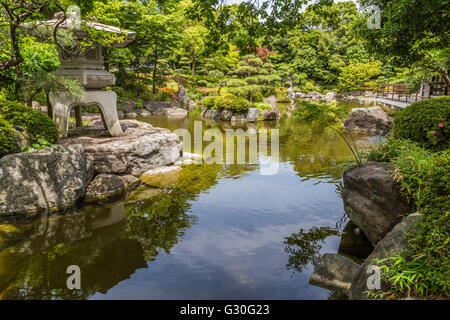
<point>424,175</point>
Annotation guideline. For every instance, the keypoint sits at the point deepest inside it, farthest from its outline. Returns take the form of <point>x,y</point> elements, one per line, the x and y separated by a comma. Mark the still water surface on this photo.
<point>212,232</point>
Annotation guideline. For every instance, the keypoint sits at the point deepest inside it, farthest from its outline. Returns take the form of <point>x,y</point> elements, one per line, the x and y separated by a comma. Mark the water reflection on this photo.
<point>212,231</point>
<point>303,247</point>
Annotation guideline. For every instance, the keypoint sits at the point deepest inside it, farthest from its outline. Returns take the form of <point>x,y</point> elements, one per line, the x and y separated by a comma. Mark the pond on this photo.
<point>212,232</point>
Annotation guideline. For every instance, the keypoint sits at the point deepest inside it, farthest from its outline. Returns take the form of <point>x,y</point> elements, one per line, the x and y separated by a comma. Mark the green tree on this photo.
<point>356,76</point>
<point>412,32</point>
<point>252,75</point>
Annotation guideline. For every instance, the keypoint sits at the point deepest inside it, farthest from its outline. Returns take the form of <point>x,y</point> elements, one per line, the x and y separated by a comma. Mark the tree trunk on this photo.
<point>49,105</point>
<point>123,76</point>
<point>17,56</point>
<point>194,62</point>
<point>155,63</point>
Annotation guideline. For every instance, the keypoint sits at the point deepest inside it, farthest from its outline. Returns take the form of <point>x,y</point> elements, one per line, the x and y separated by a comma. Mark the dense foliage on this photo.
<point>227,102</point>
<point>6,136</point>
<point>424,269</point>
<point>37,124</point>
<point>425,122</point>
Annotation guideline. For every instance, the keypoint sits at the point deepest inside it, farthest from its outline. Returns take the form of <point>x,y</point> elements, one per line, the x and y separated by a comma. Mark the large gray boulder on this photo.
<point>236,118</point>
<point>372,119</point>
<point>372,200</point>
<point>330,96</point>
<point>252,114</point>
<point>21,139</point>
<point>226,115</point>
<point>142,147</point>
<point>334,272</point>
<point>178,113</point>
<point>394,242</point>
<point>270,115</point>
<point>127,106</point>
<point>272,100</point>
<point>109,187</point>
<point>185,101</point>
<point>43,181</point>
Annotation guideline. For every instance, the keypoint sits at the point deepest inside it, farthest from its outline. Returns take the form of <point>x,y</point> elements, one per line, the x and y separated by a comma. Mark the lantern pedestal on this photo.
<point>105,100</point>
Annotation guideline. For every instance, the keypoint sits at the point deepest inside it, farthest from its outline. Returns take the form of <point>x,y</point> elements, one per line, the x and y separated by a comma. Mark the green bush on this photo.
<point>240,105</point>
<point>424,269</point>
<point>425,122</point>
<point>209,102</point>
<point>6,136</point>
<point>261,106</point>
<point>258,97</point>
<point>223,103</point>
<point>37,124</point>
<point>227,102</point>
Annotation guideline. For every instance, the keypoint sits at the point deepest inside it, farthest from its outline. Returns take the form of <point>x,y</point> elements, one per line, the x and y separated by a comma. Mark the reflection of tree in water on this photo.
<point>315,151</point>
<point>108,243</point>
<point>304,247</point>
<point>338,295</point>
<point>159,222</point>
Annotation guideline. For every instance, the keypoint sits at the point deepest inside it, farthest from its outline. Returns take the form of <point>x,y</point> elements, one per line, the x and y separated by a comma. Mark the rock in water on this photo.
<point>369,119</point>
<point>178,113</point>
<point>372,200</point>
<point>162,177</point>
<point>142,147</point>
<point>272,100</point>
<point>270,115</point>
<point>334,272</point>
<point>394,242</point>
<point>43,181</point>
<point>109,187</point>
<point>252,114</point>
<point>183,96</point>
<point>330,96</point>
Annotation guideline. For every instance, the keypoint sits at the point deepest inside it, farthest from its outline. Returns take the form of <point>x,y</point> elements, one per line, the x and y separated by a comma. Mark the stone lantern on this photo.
<point>86,66</point>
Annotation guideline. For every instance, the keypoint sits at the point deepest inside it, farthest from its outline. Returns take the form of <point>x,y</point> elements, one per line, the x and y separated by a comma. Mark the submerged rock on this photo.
<point>394,242</point>
<point>372,119</point>
<point>178,113</point>
<point>334,272</point>
<point>372,199</point>
<point>109,187</point>
<point>142,147</point>
<point>162,177</point>
<point>43,181</point>
<point>354,243</point>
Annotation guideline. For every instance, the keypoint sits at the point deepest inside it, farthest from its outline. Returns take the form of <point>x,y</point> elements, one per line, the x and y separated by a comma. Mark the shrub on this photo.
<point>424,269</point>
<point>240,105</point>
<point>261,106</point>
<point>209,102</point>
<point>37,124</point>
<point>425,122</point>
<point>223,102</point>
<point>6,136</point>
<point>227,102</point>
<point>258,97</point>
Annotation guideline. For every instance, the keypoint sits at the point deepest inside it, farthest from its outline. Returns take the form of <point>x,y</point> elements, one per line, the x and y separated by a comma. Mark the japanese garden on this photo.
<point>225,150</point>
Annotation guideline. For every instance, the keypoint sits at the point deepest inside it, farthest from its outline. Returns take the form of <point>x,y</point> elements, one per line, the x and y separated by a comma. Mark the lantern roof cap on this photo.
<point>60,22</point>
